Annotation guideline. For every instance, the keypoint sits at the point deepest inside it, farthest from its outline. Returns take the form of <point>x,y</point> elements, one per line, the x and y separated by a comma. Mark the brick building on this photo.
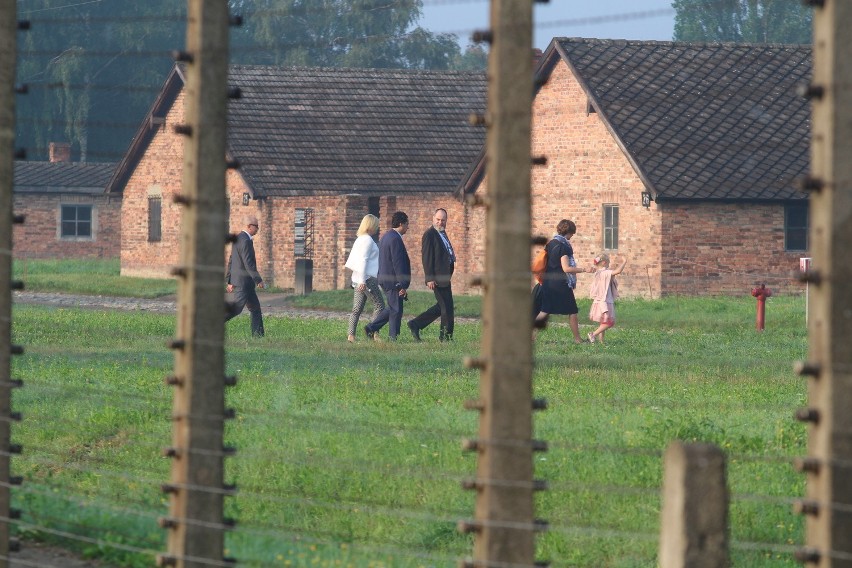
<point>318,149</point>
<point>681,157</point>
<point>67,214</point>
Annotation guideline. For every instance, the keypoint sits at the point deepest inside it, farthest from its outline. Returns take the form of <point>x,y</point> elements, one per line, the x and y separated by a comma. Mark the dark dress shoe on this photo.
<point>415,332</point>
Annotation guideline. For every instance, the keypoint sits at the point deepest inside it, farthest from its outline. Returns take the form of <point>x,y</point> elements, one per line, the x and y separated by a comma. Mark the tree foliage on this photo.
<point>750,21</point>
<point>340,33</point>
<point>94,68</point>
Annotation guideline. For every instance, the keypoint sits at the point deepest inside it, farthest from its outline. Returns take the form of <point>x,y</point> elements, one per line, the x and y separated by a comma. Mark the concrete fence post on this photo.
<point>828,368</point>
<point>694,523</point>
<point>504,523</point>
<point>8,46</point>
<point>196,526</point>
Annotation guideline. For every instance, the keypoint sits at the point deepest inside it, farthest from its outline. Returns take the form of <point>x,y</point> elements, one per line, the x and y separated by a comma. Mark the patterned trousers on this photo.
<point>372,290</point>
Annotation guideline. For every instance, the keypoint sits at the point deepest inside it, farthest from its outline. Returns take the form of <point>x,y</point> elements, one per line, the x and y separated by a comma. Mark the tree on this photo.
<point>750,21</point>
<point>425,50</point>
<point>339,33</point>
<point>92,70</point>
<point>474,58</point>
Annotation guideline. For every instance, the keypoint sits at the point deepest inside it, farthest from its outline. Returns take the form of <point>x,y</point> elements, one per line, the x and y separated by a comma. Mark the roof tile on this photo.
<point>299,131</point>
<point>726,114</point>
<point>62,177</point>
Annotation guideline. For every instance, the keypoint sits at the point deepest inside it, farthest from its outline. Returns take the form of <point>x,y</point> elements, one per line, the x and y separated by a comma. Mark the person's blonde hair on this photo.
<point>601,258</point>
<point>369,225</point>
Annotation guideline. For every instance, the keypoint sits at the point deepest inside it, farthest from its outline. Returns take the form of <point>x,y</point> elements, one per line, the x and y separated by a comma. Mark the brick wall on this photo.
<point>328,227</point>
<point>688,249</point>
<point>420,210</point>
<point>158,173</point>
<point>694,249</point>
<point>39,236</point>
<point>336,220</point>
<point>585,169</point>
<point>724,248</point>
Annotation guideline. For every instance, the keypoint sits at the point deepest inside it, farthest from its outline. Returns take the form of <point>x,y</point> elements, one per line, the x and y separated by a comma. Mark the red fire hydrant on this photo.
<point>761,293</point>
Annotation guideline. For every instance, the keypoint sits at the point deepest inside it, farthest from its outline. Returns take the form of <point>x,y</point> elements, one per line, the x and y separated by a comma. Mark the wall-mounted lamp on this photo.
<point>646,199</point>
<point>246,198</point>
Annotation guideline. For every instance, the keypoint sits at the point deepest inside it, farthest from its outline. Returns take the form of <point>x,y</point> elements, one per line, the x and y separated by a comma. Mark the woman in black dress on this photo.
<point>557,288</point>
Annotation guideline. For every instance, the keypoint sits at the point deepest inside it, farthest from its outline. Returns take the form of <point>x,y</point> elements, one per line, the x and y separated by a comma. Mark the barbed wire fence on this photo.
<point>116,493</point>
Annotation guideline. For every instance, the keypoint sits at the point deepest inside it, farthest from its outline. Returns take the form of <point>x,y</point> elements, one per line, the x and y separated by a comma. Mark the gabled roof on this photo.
<point>699,121</point>
<point>303,131</point>
<point>62,177</point>
<point>696,121</point>
<point>311,131</point>
<point>147,129</point>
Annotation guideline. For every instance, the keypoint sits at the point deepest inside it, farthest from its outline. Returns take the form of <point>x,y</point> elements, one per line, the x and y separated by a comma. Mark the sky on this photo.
<point>604,19</point>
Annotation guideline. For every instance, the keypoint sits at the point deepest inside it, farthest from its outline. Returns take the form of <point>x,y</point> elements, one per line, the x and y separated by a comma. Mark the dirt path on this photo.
<point>273,305</point>
<point>37,555</point>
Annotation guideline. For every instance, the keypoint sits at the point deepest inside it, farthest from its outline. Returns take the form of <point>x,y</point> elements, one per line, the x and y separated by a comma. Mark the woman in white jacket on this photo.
<point>364,263</point>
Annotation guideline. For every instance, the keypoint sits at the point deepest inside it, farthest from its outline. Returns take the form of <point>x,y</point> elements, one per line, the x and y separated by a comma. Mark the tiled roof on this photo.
<point>303,131</point>
<point>700,121</point>
<point>61,177</point>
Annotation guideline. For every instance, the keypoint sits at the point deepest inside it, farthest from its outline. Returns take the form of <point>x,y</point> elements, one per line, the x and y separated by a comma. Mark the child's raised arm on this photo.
<point>619,268</point>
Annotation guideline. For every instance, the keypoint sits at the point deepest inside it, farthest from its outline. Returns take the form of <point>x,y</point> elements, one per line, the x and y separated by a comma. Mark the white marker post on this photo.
<point>804,266</point>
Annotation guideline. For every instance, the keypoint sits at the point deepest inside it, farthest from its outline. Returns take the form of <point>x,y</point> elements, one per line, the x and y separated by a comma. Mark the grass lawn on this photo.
<point>349,455</point>
<point>93,277</point>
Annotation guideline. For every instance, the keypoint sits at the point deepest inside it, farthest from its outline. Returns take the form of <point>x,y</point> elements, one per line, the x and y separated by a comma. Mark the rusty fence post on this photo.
<point>694,520</point>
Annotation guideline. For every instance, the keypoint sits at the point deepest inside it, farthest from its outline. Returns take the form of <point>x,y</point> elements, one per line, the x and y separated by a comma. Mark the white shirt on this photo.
<point>363,259</point>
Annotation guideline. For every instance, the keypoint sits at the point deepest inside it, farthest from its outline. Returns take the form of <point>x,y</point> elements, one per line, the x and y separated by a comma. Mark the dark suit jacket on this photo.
<point>438,265</point>
<point>394,264</point>
<point>242,266</point>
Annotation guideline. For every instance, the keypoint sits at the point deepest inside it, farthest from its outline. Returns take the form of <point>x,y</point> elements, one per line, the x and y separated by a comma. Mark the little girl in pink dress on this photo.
<point>604,292</point>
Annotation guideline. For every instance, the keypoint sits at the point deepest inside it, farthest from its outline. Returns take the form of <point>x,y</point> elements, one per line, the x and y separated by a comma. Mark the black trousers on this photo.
<point>392,315</point>
<point>443,308</point>
<point>246,297</point>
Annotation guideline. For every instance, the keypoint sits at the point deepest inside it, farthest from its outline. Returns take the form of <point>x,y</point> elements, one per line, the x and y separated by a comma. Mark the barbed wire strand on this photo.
<point>81,538</point>
<point>762,547</point>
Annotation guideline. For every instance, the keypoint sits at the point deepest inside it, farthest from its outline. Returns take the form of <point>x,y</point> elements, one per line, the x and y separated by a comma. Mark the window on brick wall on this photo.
<point>304,232</point>
<point>796,226</point>
<point>610,226</point>
<point>76,221</point>
<point>155,219</point>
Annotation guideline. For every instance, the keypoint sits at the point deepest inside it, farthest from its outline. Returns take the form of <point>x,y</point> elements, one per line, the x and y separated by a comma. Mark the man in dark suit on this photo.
<point>394,277</point>
<point>439,262</point>
<point>243,277</point>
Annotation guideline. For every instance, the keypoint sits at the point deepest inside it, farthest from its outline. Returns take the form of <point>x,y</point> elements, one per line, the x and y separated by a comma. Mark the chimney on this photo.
<point>60,152</point>
<point>536,53</point>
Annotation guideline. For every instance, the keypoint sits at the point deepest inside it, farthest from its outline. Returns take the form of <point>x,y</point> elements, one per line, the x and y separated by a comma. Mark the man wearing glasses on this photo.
<point>243,277</point>
<point>439,260</point>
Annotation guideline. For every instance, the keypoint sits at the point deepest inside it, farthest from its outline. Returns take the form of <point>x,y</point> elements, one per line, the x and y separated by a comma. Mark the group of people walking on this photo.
<point>386,266</point>
<point>375,268</point>
<point>555,293</point>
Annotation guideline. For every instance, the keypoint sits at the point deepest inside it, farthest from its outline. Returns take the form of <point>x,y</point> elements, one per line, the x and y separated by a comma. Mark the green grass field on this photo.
<point>349,455</point>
